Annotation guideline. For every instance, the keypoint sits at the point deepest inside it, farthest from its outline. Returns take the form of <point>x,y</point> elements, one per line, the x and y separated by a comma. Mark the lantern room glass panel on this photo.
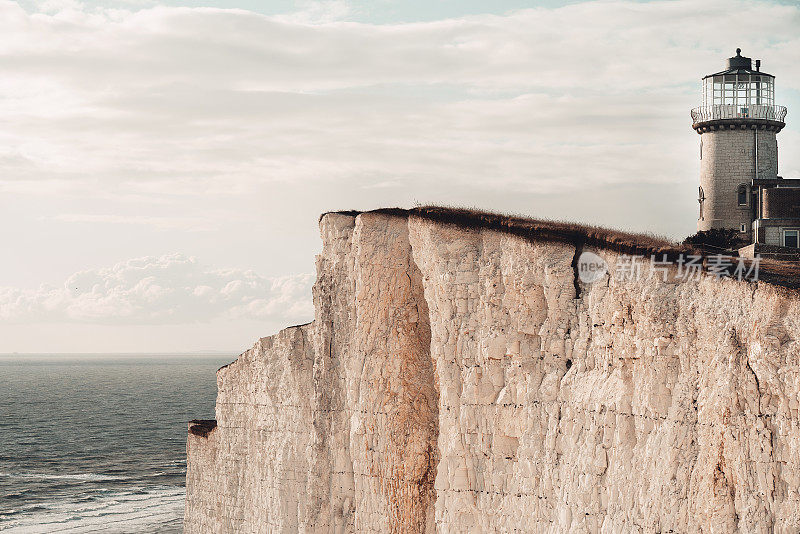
<point>738,91</point>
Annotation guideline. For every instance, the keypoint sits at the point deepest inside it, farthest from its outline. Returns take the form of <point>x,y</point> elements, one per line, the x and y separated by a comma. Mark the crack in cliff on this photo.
<point>745,357</point>
<point>576,282</point>
<point>755,376</point>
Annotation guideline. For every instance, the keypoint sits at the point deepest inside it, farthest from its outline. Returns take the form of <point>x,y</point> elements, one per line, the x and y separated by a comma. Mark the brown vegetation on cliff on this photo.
<point>779,273</point>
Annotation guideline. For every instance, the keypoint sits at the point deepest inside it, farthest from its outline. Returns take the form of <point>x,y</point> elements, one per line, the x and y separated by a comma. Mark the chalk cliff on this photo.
<point>462,378</point>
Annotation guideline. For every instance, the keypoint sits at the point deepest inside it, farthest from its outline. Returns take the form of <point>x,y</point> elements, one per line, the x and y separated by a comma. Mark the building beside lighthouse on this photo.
<point>740,189</point>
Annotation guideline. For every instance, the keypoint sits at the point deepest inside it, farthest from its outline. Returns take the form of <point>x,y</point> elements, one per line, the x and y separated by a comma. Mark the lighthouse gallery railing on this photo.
<point>726,111</point>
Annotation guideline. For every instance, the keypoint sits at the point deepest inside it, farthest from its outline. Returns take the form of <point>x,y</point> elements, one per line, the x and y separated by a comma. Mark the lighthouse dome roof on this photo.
<point>740,64</point>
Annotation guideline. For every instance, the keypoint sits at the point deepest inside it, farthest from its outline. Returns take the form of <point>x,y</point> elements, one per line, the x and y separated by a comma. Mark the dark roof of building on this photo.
<point>740,65</point>
<point>787,183</point>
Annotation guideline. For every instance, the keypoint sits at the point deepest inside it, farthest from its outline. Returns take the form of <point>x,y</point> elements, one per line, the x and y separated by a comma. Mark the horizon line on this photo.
<point>111,353</point>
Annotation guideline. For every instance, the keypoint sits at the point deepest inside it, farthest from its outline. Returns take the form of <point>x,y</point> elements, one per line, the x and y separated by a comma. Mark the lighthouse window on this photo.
<point>742,195</point>
<point>741,93</point>
<point>730,90</point>
<point>767,92</point>
<point>738,90</point>
<point>700,199</point>
<point>790,238</point>
<point>755,91</point>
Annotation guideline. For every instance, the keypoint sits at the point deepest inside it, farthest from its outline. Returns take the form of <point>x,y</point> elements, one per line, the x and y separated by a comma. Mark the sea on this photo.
<point>97,443</point>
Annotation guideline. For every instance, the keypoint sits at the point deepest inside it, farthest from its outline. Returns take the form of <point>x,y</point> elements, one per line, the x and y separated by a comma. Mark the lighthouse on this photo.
<point>738,122</point>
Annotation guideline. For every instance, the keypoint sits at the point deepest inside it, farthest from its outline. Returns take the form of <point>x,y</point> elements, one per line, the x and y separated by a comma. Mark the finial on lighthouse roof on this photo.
<point>740,61</point>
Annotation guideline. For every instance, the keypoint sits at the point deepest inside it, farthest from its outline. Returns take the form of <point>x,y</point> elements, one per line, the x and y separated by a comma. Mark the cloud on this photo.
<point>204,101</point>
<point>171,289</point>
<point>318,12</point>
<point>189,224</point>
<point>137,125</point>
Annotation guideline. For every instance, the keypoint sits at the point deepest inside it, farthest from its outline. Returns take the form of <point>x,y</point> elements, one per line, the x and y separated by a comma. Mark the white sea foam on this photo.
<point>129,511</point>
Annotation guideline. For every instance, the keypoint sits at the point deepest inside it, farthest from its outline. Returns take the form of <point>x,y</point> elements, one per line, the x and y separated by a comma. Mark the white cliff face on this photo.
<point>458,380</point>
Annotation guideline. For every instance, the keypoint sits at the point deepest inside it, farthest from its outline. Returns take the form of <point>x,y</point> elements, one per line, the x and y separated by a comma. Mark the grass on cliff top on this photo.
<point>541,229</point>
<point>780,273</point>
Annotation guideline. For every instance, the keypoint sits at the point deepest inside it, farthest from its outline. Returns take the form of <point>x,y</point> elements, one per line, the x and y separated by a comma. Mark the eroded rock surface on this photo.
<point>460,380</point>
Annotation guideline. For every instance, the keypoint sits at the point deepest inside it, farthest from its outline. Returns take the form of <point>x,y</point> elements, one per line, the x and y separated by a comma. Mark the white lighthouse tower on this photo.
<point>737,122</point>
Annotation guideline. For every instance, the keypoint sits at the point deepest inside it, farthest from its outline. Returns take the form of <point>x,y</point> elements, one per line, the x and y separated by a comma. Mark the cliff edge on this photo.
<point>459,376</point>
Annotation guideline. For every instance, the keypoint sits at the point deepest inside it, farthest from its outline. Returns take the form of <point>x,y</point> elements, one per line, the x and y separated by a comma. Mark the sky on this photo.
<point>163,164</point>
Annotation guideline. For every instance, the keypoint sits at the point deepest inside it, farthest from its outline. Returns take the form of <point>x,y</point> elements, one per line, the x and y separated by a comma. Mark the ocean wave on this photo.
<point>130,511</point>
<point>86,477</point>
